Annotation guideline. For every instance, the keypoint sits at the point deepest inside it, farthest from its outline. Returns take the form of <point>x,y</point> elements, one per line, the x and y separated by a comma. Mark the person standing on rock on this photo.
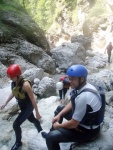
<point>63,86</point>
<point>109,49</point>
<point>22,91</point>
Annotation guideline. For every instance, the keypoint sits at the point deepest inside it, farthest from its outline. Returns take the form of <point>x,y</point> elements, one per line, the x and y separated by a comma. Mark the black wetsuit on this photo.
<point>26,108</point>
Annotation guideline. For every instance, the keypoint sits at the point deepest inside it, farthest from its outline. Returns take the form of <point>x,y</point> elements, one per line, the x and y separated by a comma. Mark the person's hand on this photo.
<point>3,106</point>
<point>56,119</point>
<point>56,125</point>
<point>38,116</point>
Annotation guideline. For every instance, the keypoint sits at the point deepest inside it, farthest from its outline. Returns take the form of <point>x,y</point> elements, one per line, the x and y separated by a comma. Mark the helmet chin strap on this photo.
<point>81,84</point>
<point>18,79</point>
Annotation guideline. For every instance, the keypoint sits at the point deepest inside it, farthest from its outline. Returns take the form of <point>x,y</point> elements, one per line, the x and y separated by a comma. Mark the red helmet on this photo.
<point>13,71</point>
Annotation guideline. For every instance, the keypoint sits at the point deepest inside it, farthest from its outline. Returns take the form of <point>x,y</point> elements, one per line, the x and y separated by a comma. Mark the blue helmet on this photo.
<point>77,71</point>
<point>66,80</point>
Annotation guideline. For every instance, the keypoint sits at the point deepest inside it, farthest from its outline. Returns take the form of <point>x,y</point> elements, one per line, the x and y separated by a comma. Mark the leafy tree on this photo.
<point>41,10</point>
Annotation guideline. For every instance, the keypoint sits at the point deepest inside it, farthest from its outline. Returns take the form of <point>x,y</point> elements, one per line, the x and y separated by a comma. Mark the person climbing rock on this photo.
<point>22,91</point>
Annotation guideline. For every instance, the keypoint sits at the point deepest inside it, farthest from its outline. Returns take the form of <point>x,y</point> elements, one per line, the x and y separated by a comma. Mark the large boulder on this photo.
<point>103,79</point>
<point>45,88</point>
<point>68,54</point>
<point>85,41</point>
<point>21,38</point>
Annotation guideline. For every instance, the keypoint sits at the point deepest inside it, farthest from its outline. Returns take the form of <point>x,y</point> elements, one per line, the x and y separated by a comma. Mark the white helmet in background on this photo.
<point>59,85</point>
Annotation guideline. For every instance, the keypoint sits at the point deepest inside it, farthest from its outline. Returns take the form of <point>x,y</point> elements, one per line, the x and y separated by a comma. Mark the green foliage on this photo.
<point>1,2</point>
<point>75,17</point>
<point>46,12</point>
<point>12,6</point>
<point>42,11</point>
<point>98,9</point>
<point>71,4</point>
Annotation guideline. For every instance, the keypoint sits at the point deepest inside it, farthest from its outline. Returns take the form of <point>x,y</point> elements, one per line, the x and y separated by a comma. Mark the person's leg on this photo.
<point>66,116</point>
<point>24,114</point>
<point>53,138</point>
<point>108,59</point>
<point>68,135</point>
<point>64,92</point>
<point>60,94</point>
<point>33,120</point>
<point>61,135</point>
<point>109,56</point>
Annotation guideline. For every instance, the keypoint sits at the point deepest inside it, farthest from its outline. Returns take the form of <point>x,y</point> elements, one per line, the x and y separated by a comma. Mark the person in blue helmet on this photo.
<point>82,112</point>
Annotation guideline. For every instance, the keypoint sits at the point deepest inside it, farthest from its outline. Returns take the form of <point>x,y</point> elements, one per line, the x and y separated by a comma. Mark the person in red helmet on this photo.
<point>63,86</point>
<point>22,91</point>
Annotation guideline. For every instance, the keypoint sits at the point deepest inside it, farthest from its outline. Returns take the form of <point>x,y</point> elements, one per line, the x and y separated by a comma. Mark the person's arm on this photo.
<point>7,101</point>
<point>66,109</point>
<point>27,87</point>
<point>79,113</point>
<point>71,124</point>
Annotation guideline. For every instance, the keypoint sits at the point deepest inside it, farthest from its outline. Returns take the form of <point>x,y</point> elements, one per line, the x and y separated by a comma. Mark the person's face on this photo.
<point>74,82</point>
<point>14,79</point>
